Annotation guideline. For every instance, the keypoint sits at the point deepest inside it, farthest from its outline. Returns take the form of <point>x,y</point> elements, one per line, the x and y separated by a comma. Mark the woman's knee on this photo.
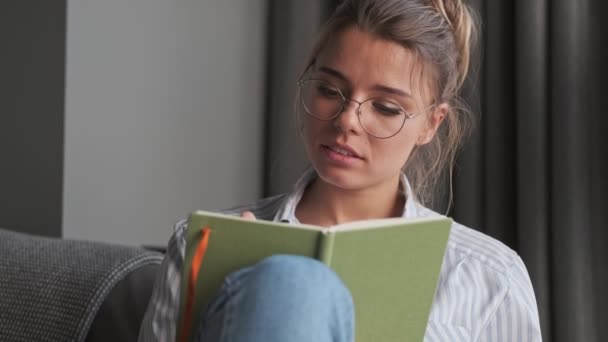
<point>298,268</point>
<point>298,274</point>
<point>284,296</point>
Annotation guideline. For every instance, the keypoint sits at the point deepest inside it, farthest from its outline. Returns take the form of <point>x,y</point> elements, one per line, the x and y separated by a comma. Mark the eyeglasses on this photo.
<point>379,117</point>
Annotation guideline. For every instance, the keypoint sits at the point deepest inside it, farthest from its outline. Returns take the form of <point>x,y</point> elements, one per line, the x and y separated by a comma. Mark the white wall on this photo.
<point>164,113</point>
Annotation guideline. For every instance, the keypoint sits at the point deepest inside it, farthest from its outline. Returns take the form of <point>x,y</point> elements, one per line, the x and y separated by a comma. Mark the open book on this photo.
<point>391,266</point>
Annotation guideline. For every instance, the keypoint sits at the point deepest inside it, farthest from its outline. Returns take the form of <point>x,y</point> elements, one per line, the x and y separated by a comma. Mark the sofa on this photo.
<point>65,290</point>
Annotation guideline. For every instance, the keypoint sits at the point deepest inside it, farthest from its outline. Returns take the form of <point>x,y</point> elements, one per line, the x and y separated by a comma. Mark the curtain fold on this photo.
<point>571,217</point>
<point>532,149</point>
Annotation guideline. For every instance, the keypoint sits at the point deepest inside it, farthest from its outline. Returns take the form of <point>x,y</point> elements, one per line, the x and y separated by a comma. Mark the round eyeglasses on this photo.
<point>379,117</point>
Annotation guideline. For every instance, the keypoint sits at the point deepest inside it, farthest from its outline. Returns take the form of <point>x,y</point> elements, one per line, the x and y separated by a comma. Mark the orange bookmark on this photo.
<point>197,262</point>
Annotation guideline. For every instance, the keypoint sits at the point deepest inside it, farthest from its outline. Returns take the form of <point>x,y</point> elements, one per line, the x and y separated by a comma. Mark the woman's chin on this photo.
<point>343,174</point>
<point>340,178</point>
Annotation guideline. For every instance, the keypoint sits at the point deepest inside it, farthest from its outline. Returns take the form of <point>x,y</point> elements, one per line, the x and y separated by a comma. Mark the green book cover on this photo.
<point>391,266</point>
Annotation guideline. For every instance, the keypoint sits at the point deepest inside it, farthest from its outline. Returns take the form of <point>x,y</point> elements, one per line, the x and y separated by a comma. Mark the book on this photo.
<point>391,266</point>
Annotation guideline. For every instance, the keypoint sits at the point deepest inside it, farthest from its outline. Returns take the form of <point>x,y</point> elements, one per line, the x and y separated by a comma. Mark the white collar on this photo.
<point>287,211</point>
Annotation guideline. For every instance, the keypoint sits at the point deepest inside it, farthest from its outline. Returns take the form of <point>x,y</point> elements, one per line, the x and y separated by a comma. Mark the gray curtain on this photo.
<point>293,26</point>
<point>533,174</point>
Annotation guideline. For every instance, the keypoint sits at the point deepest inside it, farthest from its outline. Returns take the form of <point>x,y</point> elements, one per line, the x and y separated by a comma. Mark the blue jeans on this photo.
<point>281,298</point>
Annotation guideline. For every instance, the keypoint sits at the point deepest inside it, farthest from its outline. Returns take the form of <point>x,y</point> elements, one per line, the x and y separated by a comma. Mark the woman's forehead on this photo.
<point>364,58</point>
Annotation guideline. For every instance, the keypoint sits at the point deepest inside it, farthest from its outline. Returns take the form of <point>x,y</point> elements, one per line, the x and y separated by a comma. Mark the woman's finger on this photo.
<point>248,215</point>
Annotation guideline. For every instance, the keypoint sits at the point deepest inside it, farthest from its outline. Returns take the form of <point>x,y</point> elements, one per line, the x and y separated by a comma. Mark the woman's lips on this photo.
<point>340,154</point>
<point>343,149</point>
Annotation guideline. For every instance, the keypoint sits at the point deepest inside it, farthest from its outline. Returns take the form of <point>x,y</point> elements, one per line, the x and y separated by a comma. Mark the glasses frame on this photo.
<point>406,115</point>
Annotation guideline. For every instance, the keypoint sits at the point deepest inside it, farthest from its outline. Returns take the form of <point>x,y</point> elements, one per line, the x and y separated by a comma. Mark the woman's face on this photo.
<point>362,66</point>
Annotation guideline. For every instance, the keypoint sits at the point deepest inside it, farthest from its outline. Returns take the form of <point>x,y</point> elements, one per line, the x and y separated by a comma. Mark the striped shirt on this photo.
<point>484,292</point>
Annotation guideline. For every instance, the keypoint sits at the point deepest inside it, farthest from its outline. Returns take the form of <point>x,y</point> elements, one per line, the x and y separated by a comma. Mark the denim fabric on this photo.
<point>281,298</point>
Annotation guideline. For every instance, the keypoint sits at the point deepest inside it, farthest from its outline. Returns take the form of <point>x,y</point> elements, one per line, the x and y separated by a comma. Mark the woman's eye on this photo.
<point>387,108</point>
<point>327,91</point>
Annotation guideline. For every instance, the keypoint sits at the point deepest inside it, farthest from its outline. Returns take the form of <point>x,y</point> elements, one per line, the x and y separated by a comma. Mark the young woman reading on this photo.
<point>380,121</point>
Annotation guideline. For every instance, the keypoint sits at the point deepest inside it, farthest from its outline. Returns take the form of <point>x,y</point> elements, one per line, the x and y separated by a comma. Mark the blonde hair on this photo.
<point>441,33</point>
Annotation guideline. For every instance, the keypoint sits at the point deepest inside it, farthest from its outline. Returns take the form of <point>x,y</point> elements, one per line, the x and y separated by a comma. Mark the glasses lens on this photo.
<point>381,118</point>
<point>321,99</point>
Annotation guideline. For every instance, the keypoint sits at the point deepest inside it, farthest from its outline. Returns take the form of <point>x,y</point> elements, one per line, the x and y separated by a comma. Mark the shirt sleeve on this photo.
<point>160,320</point>
<point>516,318</point>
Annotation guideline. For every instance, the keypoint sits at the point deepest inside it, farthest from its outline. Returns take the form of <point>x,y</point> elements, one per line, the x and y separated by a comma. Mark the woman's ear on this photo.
<point>439,113</point>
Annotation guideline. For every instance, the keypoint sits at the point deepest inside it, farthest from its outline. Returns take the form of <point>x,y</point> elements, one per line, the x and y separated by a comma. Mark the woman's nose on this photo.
<point>348,119</point>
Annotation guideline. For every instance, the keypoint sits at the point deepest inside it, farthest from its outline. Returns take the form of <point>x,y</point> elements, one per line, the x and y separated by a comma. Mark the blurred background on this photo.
<point>119,117</point>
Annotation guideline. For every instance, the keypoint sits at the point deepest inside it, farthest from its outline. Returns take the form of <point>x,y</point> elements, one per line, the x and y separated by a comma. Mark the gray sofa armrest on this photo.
<point>121,313</point>
<point>53,289</point>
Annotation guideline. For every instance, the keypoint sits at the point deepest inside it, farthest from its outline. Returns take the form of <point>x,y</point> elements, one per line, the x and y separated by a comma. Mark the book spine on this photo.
<point>326,247</point>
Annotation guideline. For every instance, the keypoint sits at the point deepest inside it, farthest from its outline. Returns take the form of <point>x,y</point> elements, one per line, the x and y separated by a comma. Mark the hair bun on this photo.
<point>461,22</point>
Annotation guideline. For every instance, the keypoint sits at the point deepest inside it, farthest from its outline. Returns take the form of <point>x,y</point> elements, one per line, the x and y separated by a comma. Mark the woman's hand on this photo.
<point>248,215</point>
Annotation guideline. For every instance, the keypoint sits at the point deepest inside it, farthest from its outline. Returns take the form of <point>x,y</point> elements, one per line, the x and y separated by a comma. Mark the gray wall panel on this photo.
<point>32,66</point>
<point>164,113</point>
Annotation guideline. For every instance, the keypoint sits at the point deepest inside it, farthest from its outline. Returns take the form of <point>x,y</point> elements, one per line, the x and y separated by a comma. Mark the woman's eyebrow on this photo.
<point>334,73</point>
<point>394,91</point>
<point>377,87</point>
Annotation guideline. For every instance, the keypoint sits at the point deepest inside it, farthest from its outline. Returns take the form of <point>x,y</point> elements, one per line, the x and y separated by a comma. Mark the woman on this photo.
<point>380,120</point>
